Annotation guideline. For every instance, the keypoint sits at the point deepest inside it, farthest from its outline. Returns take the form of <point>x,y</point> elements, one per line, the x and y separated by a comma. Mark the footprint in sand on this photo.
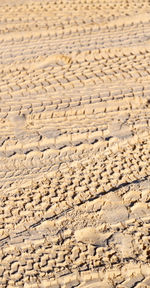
<point>118,130</point>
<point>18,122</point>
<point>52,60</point>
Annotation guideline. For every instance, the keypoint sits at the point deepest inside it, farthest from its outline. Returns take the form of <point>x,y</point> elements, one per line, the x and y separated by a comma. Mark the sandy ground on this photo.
<point>75,143</point>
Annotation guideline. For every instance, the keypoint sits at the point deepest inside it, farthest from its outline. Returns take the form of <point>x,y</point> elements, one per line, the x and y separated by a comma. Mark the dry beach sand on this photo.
<point>75,143</point>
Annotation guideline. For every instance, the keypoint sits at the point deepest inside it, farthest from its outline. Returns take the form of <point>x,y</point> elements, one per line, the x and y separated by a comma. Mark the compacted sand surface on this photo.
<point>75,143</point>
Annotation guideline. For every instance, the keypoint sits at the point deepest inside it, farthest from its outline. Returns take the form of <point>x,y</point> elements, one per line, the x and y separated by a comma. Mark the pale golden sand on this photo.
<point>75,143</point>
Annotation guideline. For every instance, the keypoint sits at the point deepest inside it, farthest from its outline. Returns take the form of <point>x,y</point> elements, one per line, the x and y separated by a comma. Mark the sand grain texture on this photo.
<point>74,143</point>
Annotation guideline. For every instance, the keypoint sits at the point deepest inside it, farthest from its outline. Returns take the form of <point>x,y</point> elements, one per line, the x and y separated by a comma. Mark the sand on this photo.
<point>75,143</point>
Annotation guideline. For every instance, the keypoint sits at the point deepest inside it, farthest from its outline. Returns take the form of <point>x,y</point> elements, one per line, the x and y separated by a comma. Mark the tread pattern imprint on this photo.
<point>75,143</point>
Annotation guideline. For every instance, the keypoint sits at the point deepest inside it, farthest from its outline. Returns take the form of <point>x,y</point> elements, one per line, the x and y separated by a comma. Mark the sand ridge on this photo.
<point>74,144</point>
